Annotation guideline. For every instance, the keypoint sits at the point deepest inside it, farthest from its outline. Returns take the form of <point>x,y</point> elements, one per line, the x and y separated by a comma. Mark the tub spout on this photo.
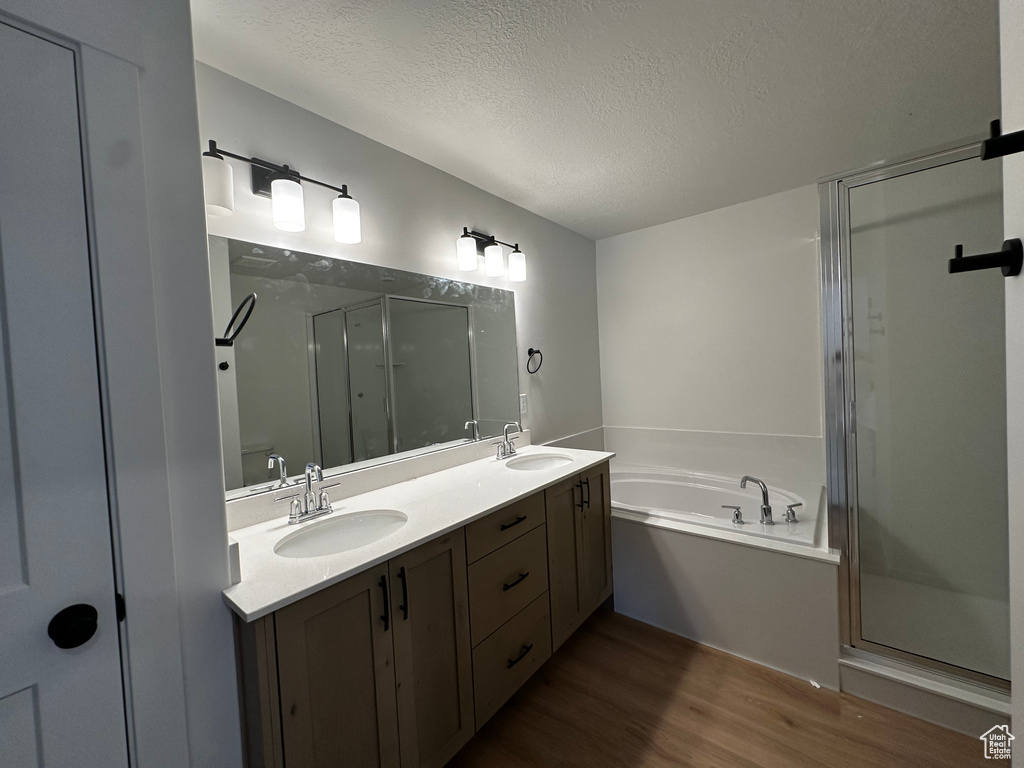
<point>766,507</point>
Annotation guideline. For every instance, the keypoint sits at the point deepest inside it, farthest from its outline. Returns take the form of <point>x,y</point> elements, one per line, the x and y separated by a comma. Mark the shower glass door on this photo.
<point>925,408</point>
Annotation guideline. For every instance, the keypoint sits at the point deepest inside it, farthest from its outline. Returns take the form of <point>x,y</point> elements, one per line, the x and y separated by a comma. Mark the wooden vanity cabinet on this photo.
<point>373,671</point>
<point>398,666</point>
<point>336,673</point>
<point>579,549</point>
<point>433,658</point>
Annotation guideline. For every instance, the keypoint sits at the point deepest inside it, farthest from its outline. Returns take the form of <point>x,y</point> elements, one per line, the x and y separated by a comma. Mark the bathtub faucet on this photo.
<point>766,508</point>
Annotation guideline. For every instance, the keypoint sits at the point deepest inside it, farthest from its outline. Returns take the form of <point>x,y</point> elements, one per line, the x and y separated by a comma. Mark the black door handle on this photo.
<point>404,607</point>
<point>522,576</point>
<point>73,626</point>
<point>522,655</point>
<point>586,482</point>
<point>386,618</point>
<point>514,523</point>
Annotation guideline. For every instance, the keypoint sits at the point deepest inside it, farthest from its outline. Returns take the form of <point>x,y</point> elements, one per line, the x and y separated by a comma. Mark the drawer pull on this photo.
<point>404,607</point>
<point>507,587</point>
<point>514,523</point>
<point>386,618</point>
<point>522,655</point>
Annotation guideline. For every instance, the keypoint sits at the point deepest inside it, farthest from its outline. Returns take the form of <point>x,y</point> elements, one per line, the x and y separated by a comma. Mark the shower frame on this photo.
<point>840,409</point>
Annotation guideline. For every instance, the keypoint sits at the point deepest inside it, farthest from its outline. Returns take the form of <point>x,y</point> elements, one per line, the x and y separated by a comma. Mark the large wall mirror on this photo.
<point>347,364</point>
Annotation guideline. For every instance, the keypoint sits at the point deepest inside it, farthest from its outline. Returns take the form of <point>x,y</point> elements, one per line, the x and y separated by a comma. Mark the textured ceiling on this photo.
<point>610,116</point>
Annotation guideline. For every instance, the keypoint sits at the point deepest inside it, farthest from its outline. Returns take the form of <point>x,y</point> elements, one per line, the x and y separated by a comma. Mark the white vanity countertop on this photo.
<point>435,504</point>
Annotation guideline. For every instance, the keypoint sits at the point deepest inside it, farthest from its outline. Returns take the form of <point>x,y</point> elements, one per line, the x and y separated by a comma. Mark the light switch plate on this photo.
<point>522,404</point>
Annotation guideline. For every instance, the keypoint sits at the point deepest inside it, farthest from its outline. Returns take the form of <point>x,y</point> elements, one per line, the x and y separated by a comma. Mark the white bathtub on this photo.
<point>692,502</point>
<point>768,593</point>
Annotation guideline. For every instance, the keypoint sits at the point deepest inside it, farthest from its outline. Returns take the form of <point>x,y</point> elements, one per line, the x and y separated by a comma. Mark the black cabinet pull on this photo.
<point>73,626</point>
<point>507,587</point>
<point>586,482</point>
<point>522,655</point>
<point>580,502</point>
<point>404,607</point>
<point>514,523</point>
<point>386,618</point>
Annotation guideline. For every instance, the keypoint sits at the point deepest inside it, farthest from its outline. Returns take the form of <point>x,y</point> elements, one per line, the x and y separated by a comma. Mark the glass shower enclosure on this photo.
<point>392,374</point>
<point>916,412</point>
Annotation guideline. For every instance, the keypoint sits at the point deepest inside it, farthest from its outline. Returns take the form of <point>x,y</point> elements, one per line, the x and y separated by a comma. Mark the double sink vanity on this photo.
<point>388,631</point>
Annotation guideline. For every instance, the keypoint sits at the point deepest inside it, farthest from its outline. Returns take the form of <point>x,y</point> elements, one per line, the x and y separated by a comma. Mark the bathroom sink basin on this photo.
<point>536,461</point>
<point>340,533</point>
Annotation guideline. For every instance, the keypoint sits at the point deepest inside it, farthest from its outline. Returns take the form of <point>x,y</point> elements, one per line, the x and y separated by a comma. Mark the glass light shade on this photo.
<point>218,184</point>
<point>286,199</point>
<point>494,261</point>
<point>465,247</point>
<point>346,221</point>
<point>517,266</point>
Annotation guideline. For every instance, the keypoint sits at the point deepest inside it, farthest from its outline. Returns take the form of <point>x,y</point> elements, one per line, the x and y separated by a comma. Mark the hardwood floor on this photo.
<point>621,693</point>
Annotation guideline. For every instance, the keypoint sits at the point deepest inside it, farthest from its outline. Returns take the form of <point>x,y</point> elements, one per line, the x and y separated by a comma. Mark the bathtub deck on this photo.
<point>621,694</point>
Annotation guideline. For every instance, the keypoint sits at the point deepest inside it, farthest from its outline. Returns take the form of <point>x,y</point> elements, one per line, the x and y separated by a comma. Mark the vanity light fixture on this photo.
<point>283,185</point>
<point>470,242</point>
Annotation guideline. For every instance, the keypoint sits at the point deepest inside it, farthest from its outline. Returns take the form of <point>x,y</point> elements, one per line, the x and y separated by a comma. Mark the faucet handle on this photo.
<point>790,514</point>
<point>737,515</point>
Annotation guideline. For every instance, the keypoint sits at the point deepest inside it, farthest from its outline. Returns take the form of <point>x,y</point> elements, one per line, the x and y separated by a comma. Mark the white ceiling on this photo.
<point>610,116</point>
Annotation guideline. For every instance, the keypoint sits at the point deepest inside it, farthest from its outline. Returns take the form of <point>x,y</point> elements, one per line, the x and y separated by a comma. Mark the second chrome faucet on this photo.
<point>507,446</point>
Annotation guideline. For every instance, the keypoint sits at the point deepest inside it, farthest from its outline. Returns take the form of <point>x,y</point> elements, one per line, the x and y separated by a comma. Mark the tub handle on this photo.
<point>737,515</point>
<point>790,514</point>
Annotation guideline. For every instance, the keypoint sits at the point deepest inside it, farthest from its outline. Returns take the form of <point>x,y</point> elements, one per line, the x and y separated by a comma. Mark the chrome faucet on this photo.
<point>766,508</point>
<point>476,428</point>
<point>281,465</point>
<point>507,447</point>
<point>313,504</point>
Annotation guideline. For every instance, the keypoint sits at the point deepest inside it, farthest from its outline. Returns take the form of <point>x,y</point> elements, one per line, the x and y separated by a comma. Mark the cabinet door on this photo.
<point>563,506</point>
<point>596,562</point>
<point>337,678</point>
<point>433,660</point>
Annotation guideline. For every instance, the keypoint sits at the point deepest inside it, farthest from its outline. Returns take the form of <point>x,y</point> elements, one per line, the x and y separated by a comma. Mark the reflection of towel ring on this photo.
<point>231,332</point>
<point>540,360</point>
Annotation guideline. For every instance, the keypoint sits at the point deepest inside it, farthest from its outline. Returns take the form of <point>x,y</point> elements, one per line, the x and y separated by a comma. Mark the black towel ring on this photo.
<point>232,331</point>
<point>540,360</point>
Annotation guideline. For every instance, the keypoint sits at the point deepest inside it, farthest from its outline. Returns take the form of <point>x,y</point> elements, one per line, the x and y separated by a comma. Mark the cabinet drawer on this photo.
<point>506,659</point>
<point>499,528</point>
<point>506,581</point>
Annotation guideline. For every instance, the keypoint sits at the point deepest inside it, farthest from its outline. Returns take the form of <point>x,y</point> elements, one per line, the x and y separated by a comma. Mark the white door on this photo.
<point>58,707</point>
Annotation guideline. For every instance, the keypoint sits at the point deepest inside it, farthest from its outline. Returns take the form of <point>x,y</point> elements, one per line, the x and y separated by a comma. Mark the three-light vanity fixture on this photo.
<point>467,248</point>
<point>283,185</point>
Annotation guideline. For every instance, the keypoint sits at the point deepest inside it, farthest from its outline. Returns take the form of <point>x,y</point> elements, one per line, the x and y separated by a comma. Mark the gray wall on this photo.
<point>1011,24</point>
<point>711,342</point>
<point>411,215</point>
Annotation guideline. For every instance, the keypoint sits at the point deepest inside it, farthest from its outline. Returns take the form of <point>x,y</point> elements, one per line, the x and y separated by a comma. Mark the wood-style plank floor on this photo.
<point>621,694</point>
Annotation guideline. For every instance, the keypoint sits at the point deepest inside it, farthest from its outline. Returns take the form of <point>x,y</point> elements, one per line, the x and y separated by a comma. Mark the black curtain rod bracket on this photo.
<point>1009,259</point>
